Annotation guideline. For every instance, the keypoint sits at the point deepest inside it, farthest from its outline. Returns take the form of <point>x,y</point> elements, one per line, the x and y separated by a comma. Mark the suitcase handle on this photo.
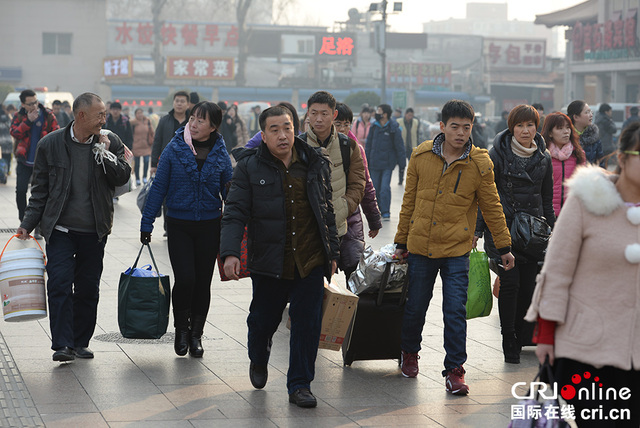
<point>384,281</point>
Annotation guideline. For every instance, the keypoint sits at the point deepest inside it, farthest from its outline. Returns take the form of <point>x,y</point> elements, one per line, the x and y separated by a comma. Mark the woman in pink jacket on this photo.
<point>566,153</point>
<point>586,299</point>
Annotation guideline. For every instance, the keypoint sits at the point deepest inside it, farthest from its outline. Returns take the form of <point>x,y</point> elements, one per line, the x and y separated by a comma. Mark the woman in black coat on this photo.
<point>524,178</point>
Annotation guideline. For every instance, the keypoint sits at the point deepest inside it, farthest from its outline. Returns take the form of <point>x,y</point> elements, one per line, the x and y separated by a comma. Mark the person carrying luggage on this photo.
<point>437,225</point>
<point>284,185</point>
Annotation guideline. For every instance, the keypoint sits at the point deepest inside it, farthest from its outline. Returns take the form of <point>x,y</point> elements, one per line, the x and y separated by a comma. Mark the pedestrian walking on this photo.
<point>633,117</point>
<point>30,124</point>
<point>362,124</point>
<point>347,166</point>
<point>606,128</point>
<point>119,124</point>
<point>582,118</point>
<point>353,242</point>
<point>6,141</point>
<point>384,149</point>
<point>447,180</point>
<point>75,175</point>
<point>143,136</point>
<point>192,175</point>
<point>566,154</point>
<point>585,299</point>
<point>291,245</point>
<point>524,178</point>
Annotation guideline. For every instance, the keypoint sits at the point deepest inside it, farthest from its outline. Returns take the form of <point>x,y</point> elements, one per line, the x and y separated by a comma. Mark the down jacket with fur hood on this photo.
<point>591,144</point>
<point>590,282</point>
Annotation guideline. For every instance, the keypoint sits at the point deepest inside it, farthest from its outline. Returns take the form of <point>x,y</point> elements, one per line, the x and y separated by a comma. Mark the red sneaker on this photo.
<point>454,382</point>
<point>409,364</point>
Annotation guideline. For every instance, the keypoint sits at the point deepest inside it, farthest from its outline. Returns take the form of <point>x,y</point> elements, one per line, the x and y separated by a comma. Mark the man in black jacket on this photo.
<point>119,123</point>
<point>282,186</point>
<point>167,127</point>
<point>71,198</point>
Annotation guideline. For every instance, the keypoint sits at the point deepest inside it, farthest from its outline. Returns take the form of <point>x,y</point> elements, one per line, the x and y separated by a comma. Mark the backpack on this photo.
<point>345,150</point>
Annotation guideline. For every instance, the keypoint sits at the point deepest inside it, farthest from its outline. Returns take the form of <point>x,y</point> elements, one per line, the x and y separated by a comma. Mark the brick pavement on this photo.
<point>136,383</point>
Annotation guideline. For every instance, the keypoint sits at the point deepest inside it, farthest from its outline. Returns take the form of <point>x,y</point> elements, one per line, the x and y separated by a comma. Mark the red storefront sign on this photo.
<point>339,45</point>
<point>200,68</point>
<point>615,38</point>
<point>176,34</point>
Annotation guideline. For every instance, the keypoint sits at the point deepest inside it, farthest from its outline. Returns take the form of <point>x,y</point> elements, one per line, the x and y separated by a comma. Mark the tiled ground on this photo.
<point>131,384</point>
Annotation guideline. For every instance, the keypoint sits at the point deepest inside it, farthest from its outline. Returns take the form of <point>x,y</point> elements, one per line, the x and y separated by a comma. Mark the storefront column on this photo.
<point>618,86</point>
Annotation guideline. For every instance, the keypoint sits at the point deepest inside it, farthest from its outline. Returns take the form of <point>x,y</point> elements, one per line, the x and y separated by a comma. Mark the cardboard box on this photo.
<point>338,309</point>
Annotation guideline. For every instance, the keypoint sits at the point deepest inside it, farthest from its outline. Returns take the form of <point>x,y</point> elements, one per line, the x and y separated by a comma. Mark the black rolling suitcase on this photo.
<point>375,332</point>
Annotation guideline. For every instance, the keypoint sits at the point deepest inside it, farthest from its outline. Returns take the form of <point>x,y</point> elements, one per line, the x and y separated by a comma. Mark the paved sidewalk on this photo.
<point>134,383</point>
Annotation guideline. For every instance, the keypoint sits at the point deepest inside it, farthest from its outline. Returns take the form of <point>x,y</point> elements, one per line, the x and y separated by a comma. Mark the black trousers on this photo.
<point>193,247</point>
<point>616,410</point>
<point>74,268</point>
<point>23,178</point>
<point>516,291</point>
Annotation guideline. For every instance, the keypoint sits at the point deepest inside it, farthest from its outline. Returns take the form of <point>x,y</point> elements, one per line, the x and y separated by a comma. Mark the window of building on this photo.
<point>56,43</point>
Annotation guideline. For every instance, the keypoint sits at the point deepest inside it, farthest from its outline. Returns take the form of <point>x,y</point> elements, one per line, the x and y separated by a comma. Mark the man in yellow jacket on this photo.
<point>447,179</point>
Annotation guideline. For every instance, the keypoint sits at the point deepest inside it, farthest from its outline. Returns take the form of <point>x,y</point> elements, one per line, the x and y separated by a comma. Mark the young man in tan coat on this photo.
<point>447,179</point>
<point>347,181</point>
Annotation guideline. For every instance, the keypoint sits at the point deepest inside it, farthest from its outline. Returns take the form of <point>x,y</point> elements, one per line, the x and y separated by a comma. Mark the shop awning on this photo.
<point>583,12</point>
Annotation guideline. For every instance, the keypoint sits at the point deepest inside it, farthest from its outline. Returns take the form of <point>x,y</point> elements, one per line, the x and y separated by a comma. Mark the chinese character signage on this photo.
<point>336,45</point>
<point>517,55</point>
<point>176,37</point>
<point>427,76</point>
<point>615,38</point>
<point>118,67</point>
<point>200,68</point>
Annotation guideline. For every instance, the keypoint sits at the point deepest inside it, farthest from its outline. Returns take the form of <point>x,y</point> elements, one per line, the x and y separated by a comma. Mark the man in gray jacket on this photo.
<point>75,174</point>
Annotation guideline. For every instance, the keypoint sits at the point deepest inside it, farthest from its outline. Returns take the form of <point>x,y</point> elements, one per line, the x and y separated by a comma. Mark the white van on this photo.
<point>45,97</point>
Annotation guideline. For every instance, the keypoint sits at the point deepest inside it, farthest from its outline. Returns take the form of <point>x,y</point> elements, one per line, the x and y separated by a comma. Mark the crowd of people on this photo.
<point>297,189</point>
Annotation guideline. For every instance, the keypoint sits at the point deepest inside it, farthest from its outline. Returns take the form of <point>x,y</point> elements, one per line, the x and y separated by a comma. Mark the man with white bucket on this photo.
<point>75,173</point>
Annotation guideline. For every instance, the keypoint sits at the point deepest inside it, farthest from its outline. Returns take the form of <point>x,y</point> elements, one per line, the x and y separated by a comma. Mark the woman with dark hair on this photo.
<point>239,127</point>
<point>524,178</point>
<point>257,139</point>
<point>192,175</point>
<point>586,297</point>
<point>582,118</point>
<point>566,153</point>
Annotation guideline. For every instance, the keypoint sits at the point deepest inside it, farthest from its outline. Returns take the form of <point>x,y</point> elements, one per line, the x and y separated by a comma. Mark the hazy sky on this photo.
<point>415,12</point>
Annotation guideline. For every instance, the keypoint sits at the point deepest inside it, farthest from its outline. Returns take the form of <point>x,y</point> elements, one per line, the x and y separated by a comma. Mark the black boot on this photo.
<point>195,342</point>
<point>181,323</point>
<point>511,349</point>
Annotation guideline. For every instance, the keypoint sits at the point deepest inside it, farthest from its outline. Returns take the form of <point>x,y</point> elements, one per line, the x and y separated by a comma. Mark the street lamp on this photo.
<point>381,40</point>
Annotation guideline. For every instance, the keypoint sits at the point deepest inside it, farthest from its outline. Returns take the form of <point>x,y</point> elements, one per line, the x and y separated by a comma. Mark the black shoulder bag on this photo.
<point>529,234</point>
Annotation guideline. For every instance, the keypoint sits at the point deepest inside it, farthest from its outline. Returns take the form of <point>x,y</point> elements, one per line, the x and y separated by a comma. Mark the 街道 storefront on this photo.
<point>603,52</point>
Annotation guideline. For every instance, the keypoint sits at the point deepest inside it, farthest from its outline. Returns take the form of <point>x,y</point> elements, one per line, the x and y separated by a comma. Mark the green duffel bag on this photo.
<point>144,297</point>
<point>479,297</point>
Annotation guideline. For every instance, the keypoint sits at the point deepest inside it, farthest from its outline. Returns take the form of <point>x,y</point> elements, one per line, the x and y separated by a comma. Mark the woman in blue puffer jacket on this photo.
<point>193,173</point>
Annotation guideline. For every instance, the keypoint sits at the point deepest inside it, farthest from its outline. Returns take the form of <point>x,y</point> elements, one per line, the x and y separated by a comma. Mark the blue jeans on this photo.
<point>454,272</point>
<point>270,296</point>
<point>136,166</point>
<point>381,179</point>
<point>74,268</point>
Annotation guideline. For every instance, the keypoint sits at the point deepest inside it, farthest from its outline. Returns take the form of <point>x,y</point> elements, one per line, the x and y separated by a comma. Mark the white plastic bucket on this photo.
<point>22,285</point>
